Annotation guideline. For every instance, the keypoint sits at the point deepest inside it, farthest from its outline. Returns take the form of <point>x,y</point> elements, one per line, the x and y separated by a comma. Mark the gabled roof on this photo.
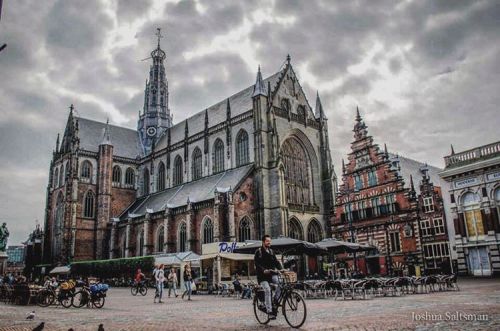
<point>239,102</point>
<point>412,167</point>
<point>125,141</point>
<point>197,191</point>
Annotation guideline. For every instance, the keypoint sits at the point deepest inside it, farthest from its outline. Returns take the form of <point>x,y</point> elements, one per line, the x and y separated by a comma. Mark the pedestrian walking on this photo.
<point>155,270</point>
<point>172,282</point>
<point>188,278</point>
<point>160,278</point>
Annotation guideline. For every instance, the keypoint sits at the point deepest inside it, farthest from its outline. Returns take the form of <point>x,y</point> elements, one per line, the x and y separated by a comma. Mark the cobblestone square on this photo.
<point>411,312</point>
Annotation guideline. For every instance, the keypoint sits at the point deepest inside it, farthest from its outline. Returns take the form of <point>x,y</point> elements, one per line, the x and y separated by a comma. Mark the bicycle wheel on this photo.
<point>294,309</point>
<point>259,309</point>
<point>45,298</point>
<point>80,299</point>
<point>134,290</point>
<point>98,301</point>
<point>143,290</point>
<point>66,300</point>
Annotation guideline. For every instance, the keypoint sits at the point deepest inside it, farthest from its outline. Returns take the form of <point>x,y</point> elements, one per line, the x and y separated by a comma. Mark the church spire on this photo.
<point>155,118</point>
<point>259,88</point>
<point>57,143</point>
<point>452,150</point>
<point>318,111</point>
<point>228,110</point>
<point>360,129</point>
<point>106,138</point>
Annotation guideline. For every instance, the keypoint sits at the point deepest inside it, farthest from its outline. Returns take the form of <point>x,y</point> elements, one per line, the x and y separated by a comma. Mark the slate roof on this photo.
<point>412,167</point>
<point>125,141</point>
<point>197,191</point>
<point>239,102</point>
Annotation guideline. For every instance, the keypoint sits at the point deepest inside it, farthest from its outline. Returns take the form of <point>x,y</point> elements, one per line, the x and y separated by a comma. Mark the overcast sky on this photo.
<point>424,74</point>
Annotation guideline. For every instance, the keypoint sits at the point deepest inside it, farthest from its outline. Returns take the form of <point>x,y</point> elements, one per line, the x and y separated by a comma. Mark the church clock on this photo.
<point>151,131</point>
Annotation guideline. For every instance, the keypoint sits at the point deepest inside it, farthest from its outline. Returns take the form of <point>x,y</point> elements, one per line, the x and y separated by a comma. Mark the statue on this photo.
<point>4,234</point>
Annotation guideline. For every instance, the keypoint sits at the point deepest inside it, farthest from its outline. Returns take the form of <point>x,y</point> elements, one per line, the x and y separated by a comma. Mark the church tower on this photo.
<point>155,118</point>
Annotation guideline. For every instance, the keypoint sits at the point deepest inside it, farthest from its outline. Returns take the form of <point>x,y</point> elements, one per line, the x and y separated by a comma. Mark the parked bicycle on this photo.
<point>292,304</point>
<point>139,287</point>
<point>51,295</point>
<point>90,296</point>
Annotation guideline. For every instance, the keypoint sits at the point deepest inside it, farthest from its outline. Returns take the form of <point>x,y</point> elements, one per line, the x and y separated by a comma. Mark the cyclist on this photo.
<point>266,263</point>
<point>139,277</point>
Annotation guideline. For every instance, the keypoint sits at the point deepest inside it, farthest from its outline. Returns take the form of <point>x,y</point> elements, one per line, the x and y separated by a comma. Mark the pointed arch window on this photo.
<point>285,105</point>
<point>61,176</point>
<point>197,164</point>
<point>242,156</point>
<point>182,239</point>
<point>58,225</point>
<point>56,178</point>
<point>89,205</point>
<point>140,244</point>
<point>160,184</point>
<point>145,184</point>
<point>130,177</point>
<point>298,180</point>
<point>208,231</point>
<point>160,242</point>
<point>178,175</point>
<point>244,232</point>
<point>86,172</point>
<point>117,175</point>
<point>218,156</point>
<point>314,232</point>
<point>294,229</point>
<point>66,170</point>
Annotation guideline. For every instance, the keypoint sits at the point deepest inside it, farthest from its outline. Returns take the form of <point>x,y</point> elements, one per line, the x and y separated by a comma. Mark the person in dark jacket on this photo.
<point>266,263</point>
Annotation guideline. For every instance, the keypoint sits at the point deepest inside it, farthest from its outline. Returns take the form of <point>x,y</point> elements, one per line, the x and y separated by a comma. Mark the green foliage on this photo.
<point>112,268</point>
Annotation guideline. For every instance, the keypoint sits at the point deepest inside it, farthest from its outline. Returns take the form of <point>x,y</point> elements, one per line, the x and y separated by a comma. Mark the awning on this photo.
<point>60,270</point>
<point>175,259</point>
<point>229,256</point>
<point>286,246</point>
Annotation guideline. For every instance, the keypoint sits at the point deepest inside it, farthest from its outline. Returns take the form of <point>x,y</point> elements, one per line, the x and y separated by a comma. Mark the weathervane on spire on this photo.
<point>158,34</point>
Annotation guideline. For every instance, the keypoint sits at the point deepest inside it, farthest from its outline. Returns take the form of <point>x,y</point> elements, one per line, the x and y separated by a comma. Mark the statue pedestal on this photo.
<point>3,263</point>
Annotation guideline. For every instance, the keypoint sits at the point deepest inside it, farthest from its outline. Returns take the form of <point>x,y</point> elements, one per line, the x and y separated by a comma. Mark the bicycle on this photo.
<point>292,304</point>
<point>48,295</point>
<point>139,287</point>
<point>87,297</point>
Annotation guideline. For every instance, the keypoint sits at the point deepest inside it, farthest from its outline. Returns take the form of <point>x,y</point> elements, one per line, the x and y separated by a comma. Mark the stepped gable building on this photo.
<point>434,232</point>
<point>378,204</point>
<point>258,162</point>
<point>473,178</point>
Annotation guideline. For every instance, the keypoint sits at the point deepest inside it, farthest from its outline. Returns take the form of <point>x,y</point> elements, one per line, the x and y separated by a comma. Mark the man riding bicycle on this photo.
<point>266,263</point>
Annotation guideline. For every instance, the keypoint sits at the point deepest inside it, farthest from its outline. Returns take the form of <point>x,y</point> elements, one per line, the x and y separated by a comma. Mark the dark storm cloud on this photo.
<point>442,57</point>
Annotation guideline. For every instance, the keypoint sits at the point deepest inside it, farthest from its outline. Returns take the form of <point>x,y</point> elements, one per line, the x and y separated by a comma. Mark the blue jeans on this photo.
<point>159,290</point>
<point>187,286</point>
<point>267,290</point>
<point>172,285</point>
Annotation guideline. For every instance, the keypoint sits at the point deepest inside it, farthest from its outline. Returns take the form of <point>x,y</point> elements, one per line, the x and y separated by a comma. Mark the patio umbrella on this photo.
<point>337,246</point>
<point>285,246</point>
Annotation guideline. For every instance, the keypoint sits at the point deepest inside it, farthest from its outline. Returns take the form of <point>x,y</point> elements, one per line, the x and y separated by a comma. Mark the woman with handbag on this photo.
<point>188,278</point>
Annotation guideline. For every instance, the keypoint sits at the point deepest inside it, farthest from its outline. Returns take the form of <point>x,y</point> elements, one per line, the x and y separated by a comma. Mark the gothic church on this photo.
<point>255,163</point>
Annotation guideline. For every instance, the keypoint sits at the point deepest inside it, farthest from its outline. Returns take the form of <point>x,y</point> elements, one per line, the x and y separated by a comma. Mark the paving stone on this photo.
<point>124,312</point>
